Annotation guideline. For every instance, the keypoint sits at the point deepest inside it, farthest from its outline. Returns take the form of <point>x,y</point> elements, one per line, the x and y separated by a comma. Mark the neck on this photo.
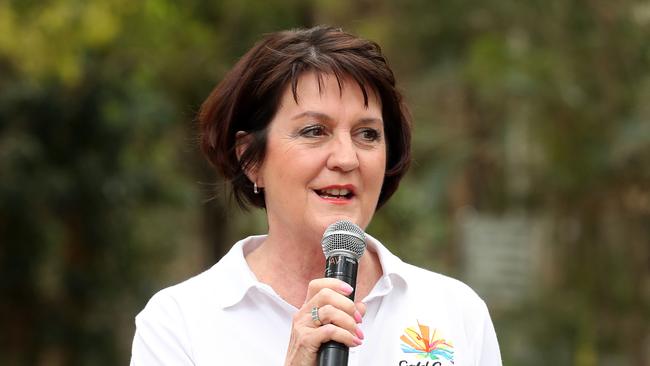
<point>288,265</point>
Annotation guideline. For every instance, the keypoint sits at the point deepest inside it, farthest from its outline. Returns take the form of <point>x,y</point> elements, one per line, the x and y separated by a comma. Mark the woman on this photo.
<point>309,126</point>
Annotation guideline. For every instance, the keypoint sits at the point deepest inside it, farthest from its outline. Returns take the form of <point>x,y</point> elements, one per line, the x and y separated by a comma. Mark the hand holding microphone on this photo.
<point>343,244</point>
<point>327,324</point>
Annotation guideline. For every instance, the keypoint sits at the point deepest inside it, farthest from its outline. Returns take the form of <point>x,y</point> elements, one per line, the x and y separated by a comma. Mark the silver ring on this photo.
<point>315,317</point>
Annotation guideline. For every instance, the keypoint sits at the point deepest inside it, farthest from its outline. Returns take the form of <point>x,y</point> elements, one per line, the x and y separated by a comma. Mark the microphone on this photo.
<point>343,244</point>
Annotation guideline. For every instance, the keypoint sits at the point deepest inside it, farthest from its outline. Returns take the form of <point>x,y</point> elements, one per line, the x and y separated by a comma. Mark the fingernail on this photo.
<point>357,341</point>
<point>346,288</point>
<point>359,333</point>
<point>357,316</point>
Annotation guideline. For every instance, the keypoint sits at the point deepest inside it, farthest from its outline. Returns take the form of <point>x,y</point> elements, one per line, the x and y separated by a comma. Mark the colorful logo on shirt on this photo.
<point>425,343</point>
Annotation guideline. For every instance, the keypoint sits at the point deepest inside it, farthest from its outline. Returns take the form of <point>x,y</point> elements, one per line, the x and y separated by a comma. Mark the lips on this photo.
<point>336,192</point>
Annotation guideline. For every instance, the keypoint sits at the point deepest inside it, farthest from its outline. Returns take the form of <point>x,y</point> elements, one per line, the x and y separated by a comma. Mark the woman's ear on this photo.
<point>242,142</point>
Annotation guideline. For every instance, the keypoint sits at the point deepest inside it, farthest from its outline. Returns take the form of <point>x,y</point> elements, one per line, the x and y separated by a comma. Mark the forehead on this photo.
<point>314,83</point>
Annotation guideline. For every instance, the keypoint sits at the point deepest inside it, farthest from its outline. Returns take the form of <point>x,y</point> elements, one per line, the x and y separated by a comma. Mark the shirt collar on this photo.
<point>392,268</point>
<point>234,273</point>
<point>237,278</point>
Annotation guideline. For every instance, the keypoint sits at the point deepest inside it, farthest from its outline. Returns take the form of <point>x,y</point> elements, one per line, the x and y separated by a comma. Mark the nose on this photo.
<point>343,154</point>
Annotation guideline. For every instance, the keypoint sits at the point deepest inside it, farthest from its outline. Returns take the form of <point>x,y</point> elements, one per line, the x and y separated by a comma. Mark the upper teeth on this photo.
<point>336,191</point>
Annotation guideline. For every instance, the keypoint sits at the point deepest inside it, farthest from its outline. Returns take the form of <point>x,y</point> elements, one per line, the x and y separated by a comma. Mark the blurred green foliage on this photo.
<point>533,108</point>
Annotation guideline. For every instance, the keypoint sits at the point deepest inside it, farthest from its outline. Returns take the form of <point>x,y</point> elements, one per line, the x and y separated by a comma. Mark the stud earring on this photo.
<point>255,190</point>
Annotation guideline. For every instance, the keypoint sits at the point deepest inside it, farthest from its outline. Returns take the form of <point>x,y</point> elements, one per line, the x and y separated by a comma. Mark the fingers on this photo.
<point>324,291</point>
<point>330,332</point>
<point>333,284</point>
<point>331,315</point>
<point>361,308</point>
<point>335,308</point>
<point>336,318</point>
<point>328,296</point>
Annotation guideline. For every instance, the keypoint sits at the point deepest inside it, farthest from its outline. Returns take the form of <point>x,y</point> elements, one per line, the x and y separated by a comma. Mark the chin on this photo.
<point>327,220</point>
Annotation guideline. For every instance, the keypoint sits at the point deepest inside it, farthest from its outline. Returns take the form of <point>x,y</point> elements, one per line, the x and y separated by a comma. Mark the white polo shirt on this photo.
<point>224,316</point>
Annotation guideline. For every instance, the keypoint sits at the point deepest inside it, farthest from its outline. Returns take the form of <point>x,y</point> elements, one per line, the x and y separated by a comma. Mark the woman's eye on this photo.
<point>370,134</point>
<point>312,131</point>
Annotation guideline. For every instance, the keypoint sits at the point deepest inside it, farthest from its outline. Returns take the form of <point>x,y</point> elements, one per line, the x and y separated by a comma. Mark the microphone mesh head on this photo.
<point>345,238</point>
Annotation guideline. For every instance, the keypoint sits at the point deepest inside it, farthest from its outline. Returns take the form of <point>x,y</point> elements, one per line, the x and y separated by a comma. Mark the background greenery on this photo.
<point>532,128</point>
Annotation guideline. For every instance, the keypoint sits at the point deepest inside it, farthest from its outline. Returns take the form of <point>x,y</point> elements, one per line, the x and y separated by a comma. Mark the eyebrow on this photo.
<point>323,116</point>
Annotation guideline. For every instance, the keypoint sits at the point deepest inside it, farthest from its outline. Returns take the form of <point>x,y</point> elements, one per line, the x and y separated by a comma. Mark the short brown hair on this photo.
<point>249,95</point>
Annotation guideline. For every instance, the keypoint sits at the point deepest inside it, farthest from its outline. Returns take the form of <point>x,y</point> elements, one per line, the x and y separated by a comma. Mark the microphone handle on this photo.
<point>343,268</point>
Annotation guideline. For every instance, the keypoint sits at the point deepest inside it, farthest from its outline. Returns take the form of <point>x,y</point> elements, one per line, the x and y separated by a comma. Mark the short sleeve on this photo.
<point>488,353</point>
<point>161,336</point>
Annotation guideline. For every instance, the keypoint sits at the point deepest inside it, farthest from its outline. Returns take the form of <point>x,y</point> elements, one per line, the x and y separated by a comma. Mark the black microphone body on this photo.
<point>344,268</point>
<point>343,244</point>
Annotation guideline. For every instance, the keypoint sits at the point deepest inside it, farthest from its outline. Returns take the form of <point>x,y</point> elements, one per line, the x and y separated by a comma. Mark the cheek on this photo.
<point>292,170</point>
<point>374,179</point>
<point>379,169</point>
<point>276,167</point>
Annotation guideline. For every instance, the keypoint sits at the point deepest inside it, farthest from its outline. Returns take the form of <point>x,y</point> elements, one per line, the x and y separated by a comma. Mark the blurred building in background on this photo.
<point>504,258</point>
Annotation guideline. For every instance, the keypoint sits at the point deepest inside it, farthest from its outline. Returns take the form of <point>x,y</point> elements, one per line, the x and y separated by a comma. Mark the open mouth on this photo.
<point>335,193</point>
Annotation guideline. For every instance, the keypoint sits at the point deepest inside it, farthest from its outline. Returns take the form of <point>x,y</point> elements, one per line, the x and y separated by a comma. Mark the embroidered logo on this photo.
<point>426,344</point>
